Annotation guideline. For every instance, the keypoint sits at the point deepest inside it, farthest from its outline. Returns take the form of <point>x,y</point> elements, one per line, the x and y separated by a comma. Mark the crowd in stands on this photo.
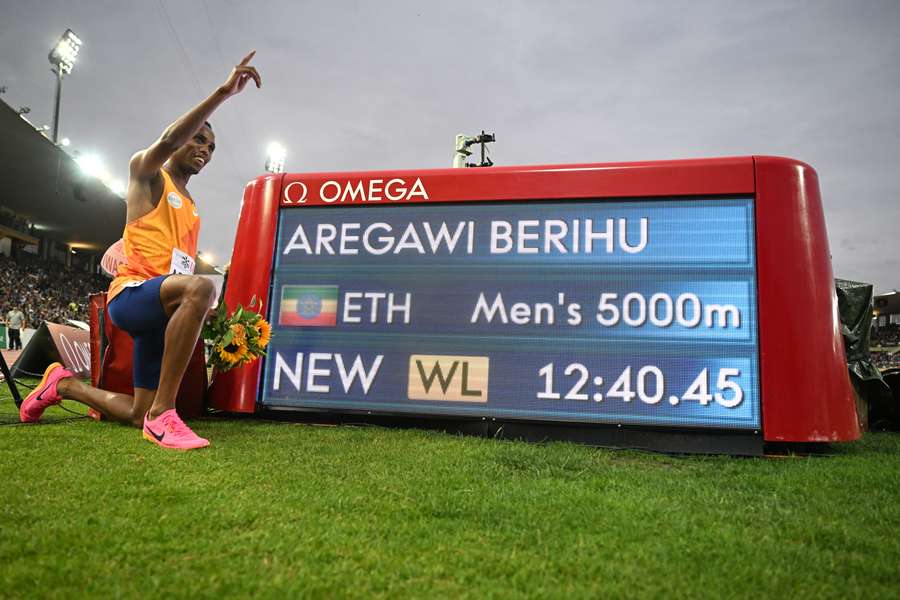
<point>888,335</point>
<point>883,359</point>
<point>886,339</point>
<point>46,291</point>
<point>14,221</point>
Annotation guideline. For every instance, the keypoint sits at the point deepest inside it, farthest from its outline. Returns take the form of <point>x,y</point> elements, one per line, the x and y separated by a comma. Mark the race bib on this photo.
<point>182,264</point>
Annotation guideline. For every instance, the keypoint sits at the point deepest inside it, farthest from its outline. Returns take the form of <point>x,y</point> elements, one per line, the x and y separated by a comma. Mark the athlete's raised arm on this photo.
<point>146,163</point>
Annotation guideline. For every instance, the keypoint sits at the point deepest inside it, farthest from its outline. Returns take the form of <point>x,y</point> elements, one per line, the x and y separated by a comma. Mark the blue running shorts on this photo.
<point>138,310</point>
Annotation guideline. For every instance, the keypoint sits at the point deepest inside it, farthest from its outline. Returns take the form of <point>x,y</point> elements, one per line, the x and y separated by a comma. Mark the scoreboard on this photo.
<point>679,305</point>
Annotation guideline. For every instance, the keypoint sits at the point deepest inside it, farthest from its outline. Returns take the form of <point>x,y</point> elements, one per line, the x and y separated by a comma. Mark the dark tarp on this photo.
<point>875,405</point>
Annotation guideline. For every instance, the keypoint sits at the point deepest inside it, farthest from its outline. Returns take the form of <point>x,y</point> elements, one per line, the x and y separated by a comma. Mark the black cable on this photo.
<point>29,373</point>
<point>49,421</point>
<point>70,411</point>
<point>59,405</point>
<point>20,383</point>
<point>23,384</point>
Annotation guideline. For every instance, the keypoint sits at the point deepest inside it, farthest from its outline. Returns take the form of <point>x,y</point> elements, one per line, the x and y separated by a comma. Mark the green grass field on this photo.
<point>291,510</point>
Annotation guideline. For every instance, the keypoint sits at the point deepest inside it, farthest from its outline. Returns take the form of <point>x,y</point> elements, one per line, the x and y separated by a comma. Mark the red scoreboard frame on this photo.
<point>805,392</point>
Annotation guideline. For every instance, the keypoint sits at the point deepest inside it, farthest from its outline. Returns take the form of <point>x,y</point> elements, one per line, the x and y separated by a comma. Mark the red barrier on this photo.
<point>807,395</point>
<point>248,277</point>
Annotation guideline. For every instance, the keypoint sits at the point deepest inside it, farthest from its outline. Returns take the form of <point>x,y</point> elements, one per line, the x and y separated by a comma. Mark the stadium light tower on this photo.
<point>275,155</point>
<point>62,59</point>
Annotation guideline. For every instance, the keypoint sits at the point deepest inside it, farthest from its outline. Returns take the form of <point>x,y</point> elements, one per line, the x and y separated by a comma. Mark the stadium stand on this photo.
<point>46,291</point>
<point>884,346</point>
<point>15,222</point>
<point>884,337</point>
<point>888,335</point>
<point>884,360</point>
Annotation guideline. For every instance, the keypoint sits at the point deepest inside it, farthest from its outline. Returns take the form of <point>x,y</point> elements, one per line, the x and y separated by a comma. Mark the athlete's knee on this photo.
<point>199,292</point>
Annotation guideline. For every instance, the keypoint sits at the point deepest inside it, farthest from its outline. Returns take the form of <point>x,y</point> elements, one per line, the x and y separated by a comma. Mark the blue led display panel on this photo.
<point>635,312</point>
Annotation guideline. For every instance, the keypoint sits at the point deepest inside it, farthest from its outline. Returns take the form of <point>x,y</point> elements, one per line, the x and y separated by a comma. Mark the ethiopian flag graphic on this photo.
<point>308,305</point>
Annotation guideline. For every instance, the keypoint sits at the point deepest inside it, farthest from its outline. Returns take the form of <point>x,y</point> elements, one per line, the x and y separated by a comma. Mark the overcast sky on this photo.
<point>381,85</point>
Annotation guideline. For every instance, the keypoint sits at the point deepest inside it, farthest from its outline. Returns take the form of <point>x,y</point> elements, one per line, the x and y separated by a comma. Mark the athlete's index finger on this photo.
<point>247,58</point>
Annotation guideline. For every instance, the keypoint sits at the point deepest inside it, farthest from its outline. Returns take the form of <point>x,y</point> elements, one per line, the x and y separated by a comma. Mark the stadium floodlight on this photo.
<point>91,165</point>
<point>62,59</point>
<point>116,186</point>
<point>65,141</point>
<point>275,155</point>
<point>65,52</point>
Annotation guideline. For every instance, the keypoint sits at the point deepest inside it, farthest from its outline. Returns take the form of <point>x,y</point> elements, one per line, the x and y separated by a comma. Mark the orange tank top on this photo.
<point>162,241</point>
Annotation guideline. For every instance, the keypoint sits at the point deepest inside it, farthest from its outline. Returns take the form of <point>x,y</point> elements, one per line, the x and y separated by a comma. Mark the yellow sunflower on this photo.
<point>232,353</point>
<point>265,332</point>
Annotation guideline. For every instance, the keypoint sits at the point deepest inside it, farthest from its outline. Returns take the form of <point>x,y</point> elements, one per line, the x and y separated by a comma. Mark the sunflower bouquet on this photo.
<point>238,338</point>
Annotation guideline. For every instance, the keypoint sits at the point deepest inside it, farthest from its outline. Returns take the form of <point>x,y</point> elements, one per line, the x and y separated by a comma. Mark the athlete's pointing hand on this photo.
<point>240,75</point>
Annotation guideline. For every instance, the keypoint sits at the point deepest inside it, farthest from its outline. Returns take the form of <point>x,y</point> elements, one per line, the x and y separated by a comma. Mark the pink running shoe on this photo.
<point>169,431</point>
<point>44,394</point>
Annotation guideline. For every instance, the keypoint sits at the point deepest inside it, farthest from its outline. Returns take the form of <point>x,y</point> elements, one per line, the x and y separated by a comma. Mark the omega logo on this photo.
<point>373,190</point>
<point>287,193</point>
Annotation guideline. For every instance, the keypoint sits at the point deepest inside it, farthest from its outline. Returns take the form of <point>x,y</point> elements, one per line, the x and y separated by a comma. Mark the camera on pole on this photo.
<point>463,151</point>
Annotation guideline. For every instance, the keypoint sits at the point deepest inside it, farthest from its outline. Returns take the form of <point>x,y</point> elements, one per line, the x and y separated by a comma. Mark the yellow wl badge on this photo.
<point>448,378</point>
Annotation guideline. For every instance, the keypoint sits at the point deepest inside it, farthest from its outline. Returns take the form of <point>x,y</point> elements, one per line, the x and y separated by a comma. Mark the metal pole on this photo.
<point>482,148</point>
<point>59,76</point>
<point>10,382</point>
